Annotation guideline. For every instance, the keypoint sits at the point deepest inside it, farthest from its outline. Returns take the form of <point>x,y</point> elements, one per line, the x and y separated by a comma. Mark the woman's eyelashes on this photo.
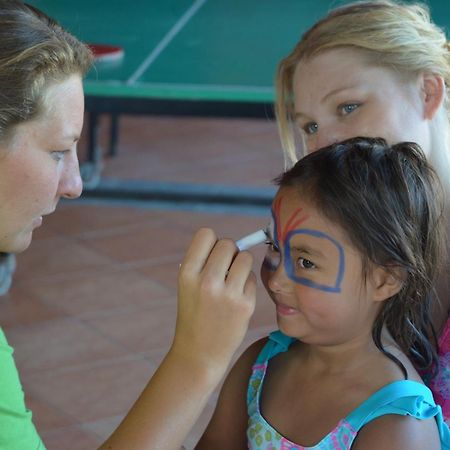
<point>343,109</point>
<point>347,108</point>
<point>310,128</point>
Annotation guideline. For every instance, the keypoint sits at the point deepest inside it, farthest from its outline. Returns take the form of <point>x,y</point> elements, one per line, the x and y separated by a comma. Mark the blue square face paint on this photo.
<point>290,261</point>
<point>283,241</point>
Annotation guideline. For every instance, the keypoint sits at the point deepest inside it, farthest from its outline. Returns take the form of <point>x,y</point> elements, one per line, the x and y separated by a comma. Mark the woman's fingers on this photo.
<point>239,271</point>
<point>219,261</point>
<point>216,297</point>
<point>199,250</point>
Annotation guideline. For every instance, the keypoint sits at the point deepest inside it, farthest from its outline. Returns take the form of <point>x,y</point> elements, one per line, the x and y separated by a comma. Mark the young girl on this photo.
<point>355,249</point>
<point>375,68</point>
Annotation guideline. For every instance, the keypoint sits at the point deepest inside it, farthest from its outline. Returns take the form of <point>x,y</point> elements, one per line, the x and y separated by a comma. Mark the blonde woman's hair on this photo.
<point>393,34</point>
<point>34,53</point>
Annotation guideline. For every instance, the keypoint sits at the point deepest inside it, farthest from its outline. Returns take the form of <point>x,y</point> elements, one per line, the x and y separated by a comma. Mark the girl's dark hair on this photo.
<point>388,200</point>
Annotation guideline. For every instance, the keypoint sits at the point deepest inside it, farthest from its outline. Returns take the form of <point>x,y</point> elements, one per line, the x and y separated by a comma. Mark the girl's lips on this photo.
<point>285,310</point>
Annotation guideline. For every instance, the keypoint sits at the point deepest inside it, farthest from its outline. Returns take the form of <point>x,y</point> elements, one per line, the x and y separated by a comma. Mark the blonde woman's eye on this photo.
<point>305,263</point>
<point>311,128</point>
<point>348,108</point>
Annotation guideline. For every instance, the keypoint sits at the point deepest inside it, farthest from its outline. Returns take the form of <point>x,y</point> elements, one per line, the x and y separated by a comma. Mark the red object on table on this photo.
<point>104,52</point>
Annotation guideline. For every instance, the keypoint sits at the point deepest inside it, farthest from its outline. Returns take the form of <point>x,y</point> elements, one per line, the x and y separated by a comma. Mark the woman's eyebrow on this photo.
<point>300,115</point>
<point>338,91</point>
<point>327,96</point>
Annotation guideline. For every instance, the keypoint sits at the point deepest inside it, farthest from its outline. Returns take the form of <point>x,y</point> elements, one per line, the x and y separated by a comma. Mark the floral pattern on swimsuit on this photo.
<point>440,385</point>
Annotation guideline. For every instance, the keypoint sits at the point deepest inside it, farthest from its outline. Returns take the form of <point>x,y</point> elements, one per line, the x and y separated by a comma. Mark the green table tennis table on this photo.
<point>189,57</point>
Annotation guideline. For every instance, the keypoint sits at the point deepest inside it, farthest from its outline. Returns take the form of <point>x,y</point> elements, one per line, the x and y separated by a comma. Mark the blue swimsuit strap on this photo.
<point>400,397</point>
<point>277,343</point>
<point>404,398</point>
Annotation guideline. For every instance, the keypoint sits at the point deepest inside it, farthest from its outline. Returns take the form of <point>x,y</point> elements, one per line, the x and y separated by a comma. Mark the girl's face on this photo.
<point>338,95</point>
<point>316,276</point>
<point>39,165</point>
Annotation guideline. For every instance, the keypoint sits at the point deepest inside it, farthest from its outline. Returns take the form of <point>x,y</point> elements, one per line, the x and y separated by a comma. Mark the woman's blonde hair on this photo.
<point>34,53</point>
<point>393,34</point>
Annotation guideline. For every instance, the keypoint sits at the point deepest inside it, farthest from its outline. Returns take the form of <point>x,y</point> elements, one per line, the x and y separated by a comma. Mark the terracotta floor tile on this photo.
<point>73,438</point>
<point>73,220</point>
<point>208,145</point>
<point>104,427</point>
<point>225,225</point>
<point>24,307</point>
<point>46,417</point>
<point>140,331</point>
<point>147,242</point>
<point>107,291</point>
<point>57,256</point>
<point>164,273</point>
<point>60,342</point>
<point>92,393</point>
<point>45,232</point>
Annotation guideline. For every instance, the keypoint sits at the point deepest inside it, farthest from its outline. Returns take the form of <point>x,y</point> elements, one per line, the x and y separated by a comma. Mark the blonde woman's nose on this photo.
<point>323,139</point>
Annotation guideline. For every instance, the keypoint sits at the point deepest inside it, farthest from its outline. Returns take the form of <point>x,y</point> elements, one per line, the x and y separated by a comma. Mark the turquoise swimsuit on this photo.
<point>400,397</point>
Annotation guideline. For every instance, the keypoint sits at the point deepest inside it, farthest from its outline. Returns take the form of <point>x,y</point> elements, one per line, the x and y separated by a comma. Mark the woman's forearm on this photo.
<point>216,298</point>
<point>168,407</point>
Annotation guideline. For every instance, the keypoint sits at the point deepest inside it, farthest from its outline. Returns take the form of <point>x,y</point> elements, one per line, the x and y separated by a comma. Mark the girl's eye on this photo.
<point>311,128</point>
<point>58,155</point>
<point>347,108</point>
<point>305,263</point>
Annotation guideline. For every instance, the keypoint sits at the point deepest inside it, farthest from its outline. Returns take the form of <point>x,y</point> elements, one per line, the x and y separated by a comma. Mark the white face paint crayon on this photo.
<point>258,237</point>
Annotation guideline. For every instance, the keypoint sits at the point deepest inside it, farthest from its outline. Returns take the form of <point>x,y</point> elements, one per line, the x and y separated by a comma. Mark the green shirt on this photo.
<point>17,431</point>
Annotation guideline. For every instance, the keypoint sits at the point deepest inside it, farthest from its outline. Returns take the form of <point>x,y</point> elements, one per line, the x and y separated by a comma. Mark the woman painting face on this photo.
<point>339,94</point>
<point>39,164</point>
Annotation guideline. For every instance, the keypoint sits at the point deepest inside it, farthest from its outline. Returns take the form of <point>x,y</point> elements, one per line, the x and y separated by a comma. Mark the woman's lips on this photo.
<point>37,222</point>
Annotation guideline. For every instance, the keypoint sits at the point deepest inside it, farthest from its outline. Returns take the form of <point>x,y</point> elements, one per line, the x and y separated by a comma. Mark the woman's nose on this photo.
<point>70,183</point>
<point>323,138</point>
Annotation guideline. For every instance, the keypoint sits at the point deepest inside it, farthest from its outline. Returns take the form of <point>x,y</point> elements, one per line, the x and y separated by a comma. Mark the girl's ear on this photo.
<point>387,281</point>
<point>433,92</point>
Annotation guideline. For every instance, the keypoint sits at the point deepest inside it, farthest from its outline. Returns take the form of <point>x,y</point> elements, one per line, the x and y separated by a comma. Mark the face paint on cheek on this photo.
<point>332,283</point>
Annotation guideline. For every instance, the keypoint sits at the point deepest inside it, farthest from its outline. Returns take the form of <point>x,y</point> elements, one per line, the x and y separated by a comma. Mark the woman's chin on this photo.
<point>17,245</point>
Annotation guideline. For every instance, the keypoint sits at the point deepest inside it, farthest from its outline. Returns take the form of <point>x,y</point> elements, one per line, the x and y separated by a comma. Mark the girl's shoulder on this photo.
<point>402,414</point>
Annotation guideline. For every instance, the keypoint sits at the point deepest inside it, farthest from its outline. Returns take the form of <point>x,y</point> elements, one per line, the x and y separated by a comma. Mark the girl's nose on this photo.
<point>278,280</point>
<point>70,183</point>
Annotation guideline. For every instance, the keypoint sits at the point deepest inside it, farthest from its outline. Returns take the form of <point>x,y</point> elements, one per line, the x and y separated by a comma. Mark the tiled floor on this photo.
<point>92,308</point>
